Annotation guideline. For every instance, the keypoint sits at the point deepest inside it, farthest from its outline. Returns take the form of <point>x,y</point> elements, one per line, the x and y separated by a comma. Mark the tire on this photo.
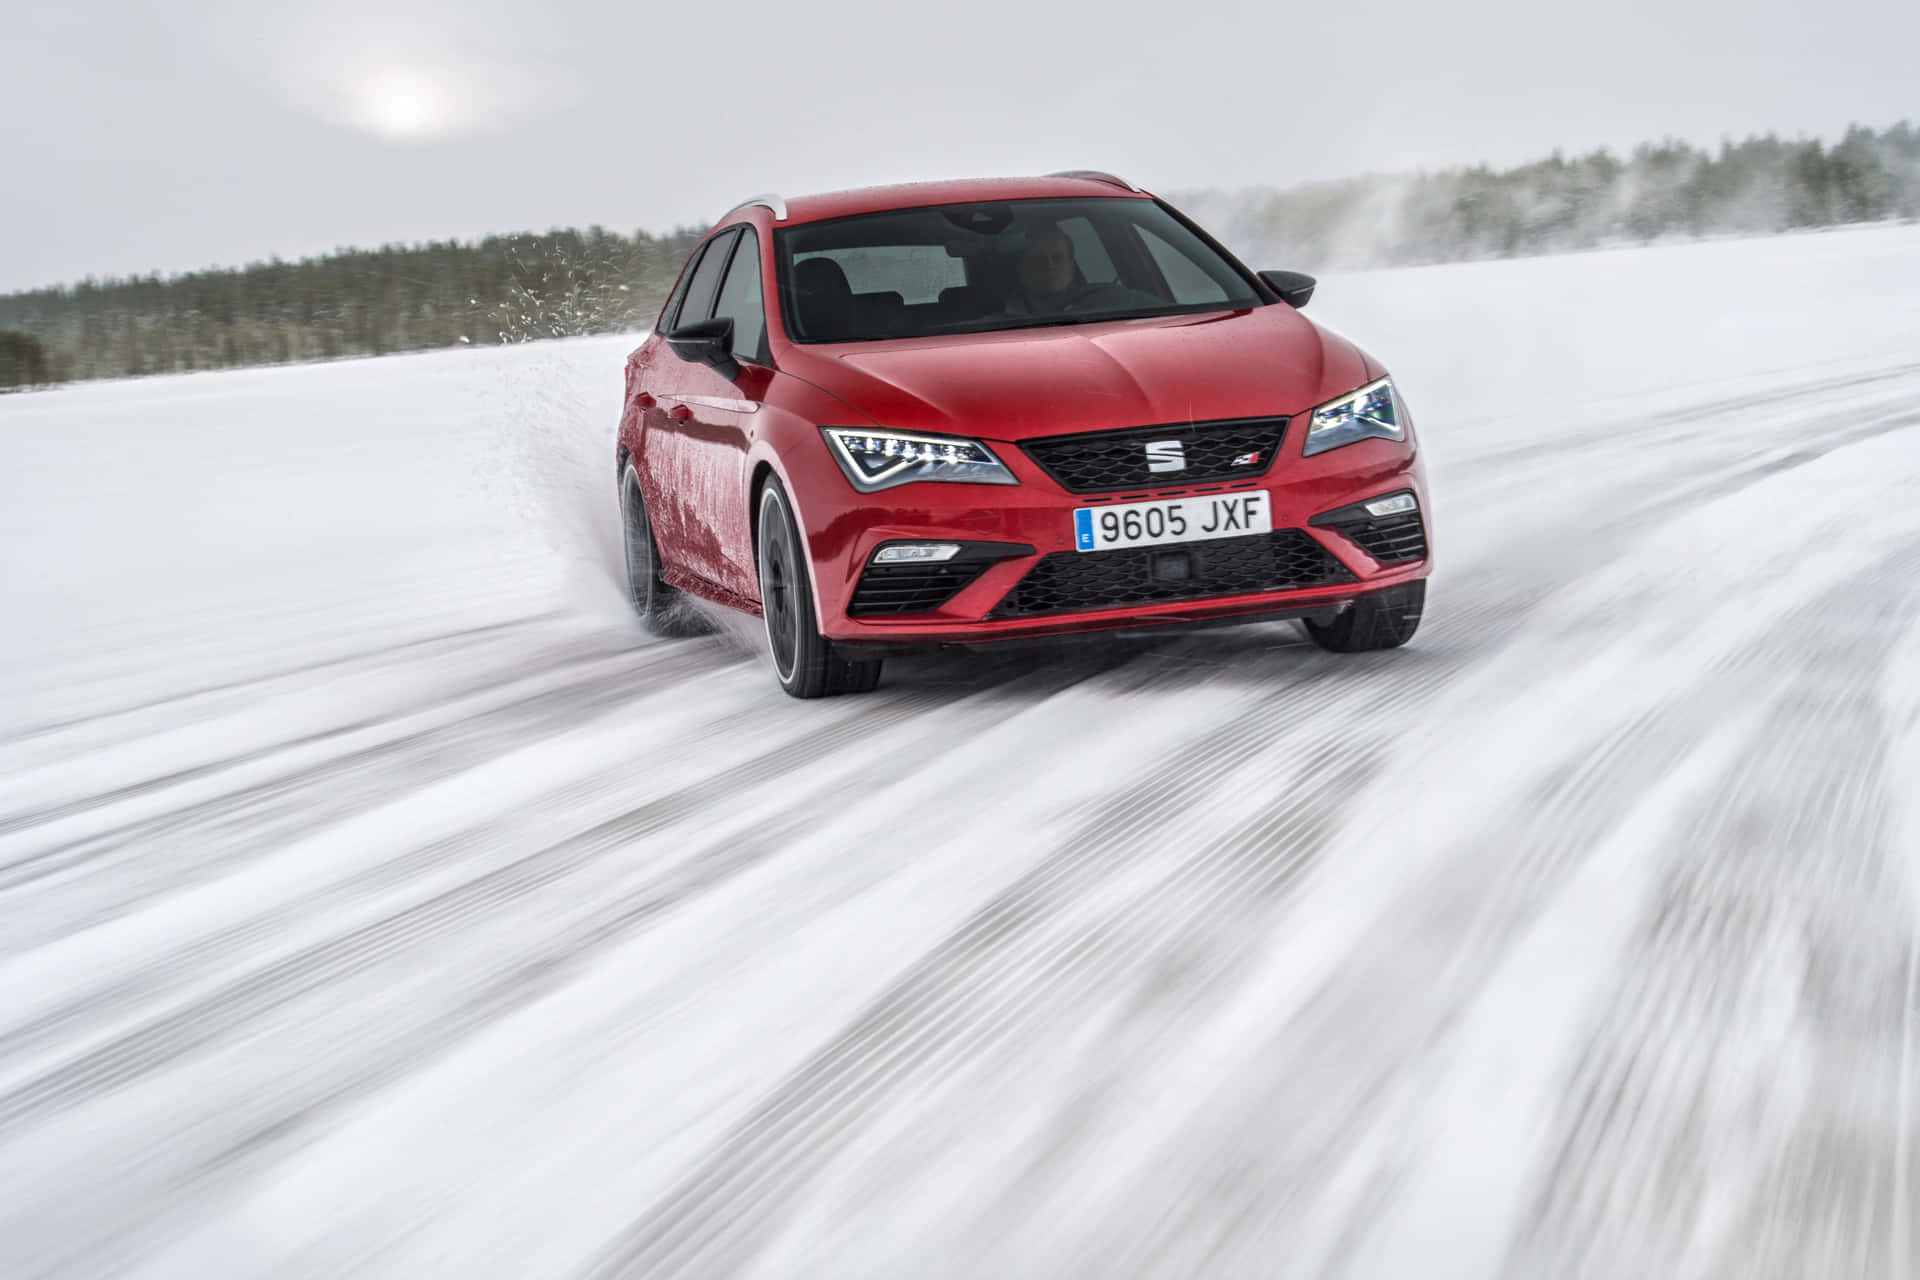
<point>1382,620</point>
<point>806,663</point>
<point>664,610</point>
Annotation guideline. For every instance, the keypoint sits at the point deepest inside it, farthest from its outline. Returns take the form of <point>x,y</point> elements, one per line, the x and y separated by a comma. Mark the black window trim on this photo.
<point>762,355</point>
<point>669,314</point>
<point>729,234</point>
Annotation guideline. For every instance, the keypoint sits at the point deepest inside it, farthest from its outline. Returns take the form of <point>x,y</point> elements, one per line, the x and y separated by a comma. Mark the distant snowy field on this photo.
<point>376,899</point>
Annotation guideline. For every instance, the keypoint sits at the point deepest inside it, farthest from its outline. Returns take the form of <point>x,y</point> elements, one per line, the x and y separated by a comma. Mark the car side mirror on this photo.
<point>708,342</point>
<point>1294,287</point>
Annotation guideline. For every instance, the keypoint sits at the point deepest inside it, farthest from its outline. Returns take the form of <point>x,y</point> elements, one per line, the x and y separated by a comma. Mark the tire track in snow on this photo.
<point>895,730</point>
<point>1033,952</point>
<point>202,837</point>
<point>211,953</point>
<point>1233,1194</point>
<point>1900,696</point>
<point>1613,431</point>
<point>1357,1045</point>
<point>677,661</point>
<point>1754,666</point>
<point>1737,1113</point>
<point>222,1013</point>
<point>441,645</point>
<point>196,960</point>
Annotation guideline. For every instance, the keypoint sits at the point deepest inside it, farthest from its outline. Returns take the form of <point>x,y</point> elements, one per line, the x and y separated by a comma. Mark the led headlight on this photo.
<point>880,459</point>
<point>1371,413</point>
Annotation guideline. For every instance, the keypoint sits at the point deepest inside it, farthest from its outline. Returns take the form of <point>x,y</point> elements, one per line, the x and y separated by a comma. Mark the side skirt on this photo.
<point>697,586</point>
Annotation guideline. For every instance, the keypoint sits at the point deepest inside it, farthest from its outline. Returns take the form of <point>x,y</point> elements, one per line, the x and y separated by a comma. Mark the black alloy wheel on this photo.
<point>1384,619</point>
<point>806,663</point>
<point>664,610</point>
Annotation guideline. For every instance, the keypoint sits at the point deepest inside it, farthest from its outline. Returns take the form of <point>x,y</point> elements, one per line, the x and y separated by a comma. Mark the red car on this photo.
<point>969,411</point>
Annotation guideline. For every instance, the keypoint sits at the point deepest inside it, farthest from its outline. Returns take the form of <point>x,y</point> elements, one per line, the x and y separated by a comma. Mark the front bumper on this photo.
<point>1038,514</point>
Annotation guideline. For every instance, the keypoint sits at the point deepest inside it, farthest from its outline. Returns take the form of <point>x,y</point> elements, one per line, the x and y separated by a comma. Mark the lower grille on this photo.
<point>1390,539</point>
<point>1072,580</point>
<point>911,588</point>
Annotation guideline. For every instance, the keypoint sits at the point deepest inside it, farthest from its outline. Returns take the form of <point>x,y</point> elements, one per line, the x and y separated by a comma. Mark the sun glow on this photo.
<point>407,105</point>
<point>408,93</point>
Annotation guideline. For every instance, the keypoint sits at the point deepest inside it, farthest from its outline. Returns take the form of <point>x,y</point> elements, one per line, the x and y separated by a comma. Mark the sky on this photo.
<point>147,135</point>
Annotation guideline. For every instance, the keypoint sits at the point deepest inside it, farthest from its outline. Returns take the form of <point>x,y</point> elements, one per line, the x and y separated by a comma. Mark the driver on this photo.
<point>1049,275</point>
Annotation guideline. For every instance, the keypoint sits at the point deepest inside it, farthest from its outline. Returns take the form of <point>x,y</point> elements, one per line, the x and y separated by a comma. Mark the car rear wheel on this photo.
<point>806,663</point>
<point>665,611</point>
<point>1380,620</point>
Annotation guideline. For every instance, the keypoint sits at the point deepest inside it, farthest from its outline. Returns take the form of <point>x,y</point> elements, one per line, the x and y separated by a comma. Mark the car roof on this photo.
<point>918,195</point>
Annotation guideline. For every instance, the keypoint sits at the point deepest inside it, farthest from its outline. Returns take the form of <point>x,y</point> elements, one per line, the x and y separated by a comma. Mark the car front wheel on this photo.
<point>1383,619</point>
<point>806,663</point>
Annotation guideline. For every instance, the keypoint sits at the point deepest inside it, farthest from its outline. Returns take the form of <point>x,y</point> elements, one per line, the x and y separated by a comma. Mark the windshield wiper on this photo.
<point>1060,320</point>
<point>960,327</point>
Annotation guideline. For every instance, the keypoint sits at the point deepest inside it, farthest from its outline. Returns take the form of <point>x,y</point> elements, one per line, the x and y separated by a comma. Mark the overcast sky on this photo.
<point>143,134</point>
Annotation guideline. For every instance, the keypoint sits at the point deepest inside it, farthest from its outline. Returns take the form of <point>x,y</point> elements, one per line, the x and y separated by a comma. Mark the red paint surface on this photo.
<point>700,468</point>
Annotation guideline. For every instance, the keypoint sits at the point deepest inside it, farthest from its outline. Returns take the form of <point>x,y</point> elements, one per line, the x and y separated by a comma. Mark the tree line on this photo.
<point>1660,190</point>
<point>349,303</point>
<point>519,287</point>
<point>23,361</point>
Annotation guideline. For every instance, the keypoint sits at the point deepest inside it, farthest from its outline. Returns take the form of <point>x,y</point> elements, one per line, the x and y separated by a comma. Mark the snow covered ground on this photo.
<point>377,900</point>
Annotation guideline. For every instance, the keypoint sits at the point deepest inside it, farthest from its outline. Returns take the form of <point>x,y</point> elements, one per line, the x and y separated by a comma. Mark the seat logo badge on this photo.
<point>1248,459</point>
<point>1166,455</point>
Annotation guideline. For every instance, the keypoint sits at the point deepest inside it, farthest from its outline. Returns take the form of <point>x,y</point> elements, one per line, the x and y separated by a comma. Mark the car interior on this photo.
<point>956,268</point>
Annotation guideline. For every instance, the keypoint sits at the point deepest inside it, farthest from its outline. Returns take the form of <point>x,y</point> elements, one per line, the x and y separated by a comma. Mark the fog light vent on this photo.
<point>1398,504</point>
<point>1388,528</point>
<point>916,552</point>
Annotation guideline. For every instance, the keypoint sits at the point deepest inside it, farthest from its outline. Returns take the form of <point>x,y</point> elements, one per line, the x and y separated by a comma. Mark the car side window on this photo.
<point>698,304</point>
<point>741,300</point>
<point>669,314</point>
<point>1189,283</point>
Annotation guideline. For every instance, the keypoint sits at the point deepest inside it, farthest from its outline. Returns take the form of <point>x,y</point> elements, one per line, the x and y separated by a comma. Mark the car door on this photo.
<point>675,502</point>
<point>722,415</point>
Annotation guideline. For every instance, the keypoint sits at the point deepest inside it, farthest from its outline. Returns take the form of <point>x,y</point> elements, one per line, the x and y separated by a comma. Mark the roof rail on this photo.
<point>1097,175</point>
<point>767,201</point>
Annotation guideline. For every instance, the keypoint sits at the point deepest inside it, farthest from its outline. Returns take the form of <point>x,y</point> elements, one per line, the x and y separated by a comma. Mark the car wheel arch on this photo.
<point>764,470</point>
<point>755,483</point>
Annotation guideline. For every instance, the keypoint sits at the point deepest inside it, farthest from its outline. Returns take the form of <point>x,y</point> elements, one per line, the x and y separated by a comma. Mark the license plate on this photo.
<point>1149,524</point>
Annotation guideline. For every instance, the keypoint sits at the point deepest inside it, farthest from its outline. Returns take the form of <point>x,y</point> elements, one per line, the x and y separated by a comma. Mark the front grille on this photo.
<point>1106,461</point>
<point>1072,580</point>
<point>911,588</point>
<point>1390,539</point>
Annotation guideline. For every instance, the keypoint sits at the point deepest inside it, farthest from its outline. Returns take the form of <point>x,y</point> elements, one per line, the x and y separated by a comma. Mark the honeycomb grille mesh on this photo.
<point>1109,461</point>
<point>1067,581</point>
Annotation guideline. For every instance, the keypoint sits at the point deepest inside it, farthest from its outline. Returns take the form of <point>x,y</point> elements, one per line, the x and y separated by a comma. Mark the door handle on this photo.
<point>644,401</point>
<point>679,413</point>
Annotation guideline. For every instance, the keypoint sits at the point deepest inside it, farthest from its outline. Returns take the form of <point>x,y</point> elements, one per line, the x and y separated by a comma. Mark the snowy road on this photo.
<point>377,900</point>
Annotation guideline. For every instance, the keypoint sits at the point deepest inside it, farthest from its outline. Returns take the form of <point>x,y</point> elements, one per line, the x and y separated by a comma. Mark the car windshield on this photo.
<point>1007,264</point>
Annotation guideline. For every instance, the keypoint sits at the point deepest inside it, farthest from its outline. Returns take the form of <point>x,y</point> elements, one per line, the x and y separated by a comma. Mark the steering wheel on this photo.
<point>1085,293</point>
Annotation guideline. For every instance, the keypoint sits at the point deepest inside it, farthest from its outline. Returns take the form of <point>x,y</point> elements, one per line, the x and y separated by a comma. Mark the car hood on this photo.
<point>1023,383</point>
